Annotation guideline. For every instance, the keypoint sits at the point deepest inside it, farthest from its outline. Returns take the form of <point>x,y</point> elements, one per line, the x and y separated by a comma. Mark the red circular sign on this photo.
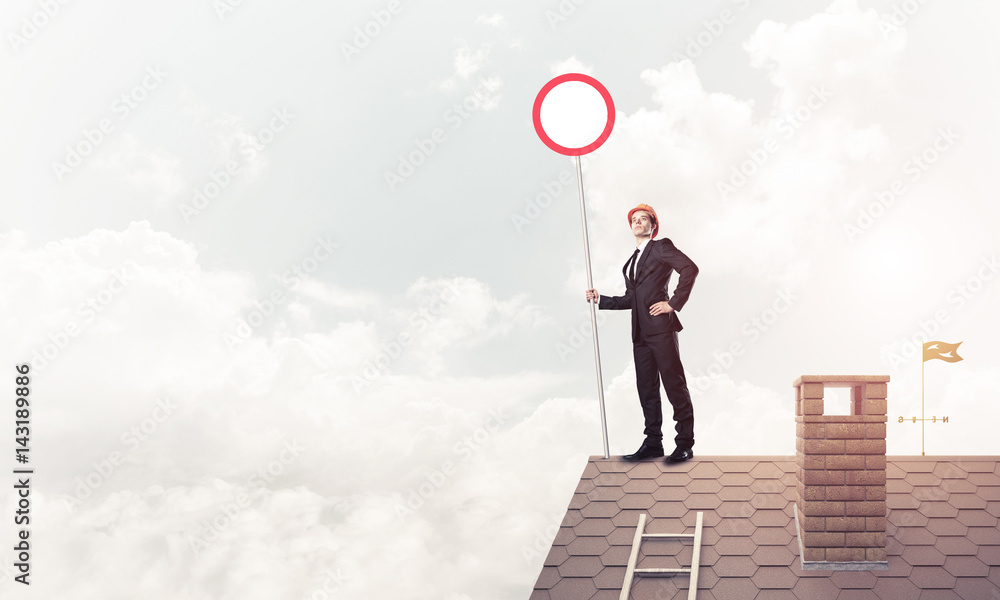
<point>537,110</point>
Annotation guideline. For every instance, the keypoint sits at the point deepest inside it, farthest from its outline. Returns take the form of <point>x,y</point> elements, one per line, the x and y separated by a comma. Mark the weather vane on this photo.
<point>941,351</point>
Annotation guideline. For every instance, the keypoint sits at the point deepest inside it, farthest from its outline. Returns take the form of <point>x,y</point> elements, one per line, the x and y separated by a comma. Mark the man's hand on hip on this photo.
<point>660,308</point>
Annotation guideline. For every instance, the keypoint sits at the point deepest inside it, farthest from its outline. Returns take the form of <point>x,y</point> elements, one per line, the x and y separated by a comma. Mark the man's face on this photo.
<point>642,223</point>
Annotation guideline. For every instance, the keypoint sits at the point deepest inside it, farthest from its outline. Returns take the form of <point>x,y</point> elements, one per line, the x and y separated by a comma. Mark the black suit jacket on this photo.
<point>658,262</point>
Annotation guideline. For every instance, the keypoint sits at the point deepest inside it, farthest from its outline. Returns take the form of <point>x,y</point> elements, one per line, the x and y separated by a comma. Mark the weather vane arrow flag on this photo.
<point>942,351</point>
<point>573,115</point>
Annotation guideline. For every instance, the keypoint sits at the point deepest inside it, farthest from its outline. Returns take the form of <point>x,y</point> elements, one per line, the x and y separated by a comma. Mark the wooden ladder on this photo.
<point>640,534</point>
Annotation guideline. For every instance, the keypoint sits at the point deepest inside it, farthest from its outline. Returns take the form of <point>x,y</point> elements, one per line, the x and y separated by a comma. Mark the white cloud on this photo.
<point>723,178</point>
<point>469,62</point>
<point>480,92</point>
<point>463,312</point>
<point>336,296</point>
<point>228,138</point>
<point>149,382</point>
<point>147,481</point>
<point>842,47</point>
<point>151,175</point>
<point>570,65</point>
<point>494,20</point>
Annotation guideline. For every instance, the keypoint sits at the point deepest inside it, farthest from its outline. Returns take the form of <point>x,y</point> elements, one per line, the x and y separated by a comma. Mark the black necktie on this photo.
<point>631,269</point>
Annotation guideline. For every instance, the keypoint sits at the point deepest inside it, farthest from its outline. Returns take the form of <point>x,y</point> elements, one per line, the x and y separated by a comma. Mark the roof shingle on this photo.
<point>942,531</point>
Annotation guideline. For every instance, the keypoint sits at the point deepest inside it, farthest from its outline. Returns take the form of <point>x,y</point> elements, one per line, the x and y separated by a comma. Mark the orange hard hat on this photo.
<point>649,209</point>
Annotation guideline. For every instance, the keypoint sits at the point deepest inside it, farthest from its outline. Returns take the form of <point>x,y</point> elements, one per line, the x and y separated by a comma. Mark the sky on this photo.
<point>301,291</point>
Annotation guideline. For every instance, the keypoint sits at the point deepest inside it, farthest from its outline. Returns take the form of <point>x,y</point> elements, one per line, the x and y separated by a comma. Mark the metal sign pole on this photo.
<point>593,309</point>
<point>576,150</point>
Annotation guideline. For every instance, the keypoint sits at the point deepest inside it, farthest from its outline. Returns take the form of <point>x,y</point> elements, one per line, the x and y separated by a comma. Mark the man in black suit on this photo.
<point>654,332</point>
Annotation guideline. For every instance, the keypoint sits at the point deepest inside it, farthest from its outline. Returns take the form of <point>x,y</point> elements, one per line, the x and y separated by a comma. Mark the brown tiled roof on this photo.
<point>942,526</point>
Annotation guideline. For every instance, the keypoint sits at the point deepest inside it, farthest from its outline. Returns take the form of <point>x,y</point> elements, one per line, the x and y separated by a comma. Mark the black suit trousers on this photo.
<point>657,359</point>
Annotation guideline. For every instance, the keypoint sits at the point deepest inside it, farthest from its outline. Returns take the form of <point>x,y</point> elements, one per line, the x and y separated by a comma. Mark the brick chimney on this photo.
<point>840,512</point>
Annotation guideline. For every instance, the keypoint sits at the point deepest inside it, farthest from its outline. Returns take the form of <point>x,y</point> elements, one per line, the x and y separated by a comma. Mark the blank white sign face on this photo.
<point>574,114</point>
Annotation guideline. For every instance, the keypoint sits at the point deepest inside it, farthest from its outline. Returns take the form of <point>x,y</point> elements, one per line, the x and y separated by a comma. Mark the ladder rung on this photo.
<point>651,571</point>
<point>668,535</point>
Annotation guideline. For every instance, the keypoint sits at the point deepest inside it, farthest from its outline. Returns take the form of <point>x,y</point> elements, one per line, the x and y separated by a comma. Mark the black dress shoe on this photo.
<point>680,455</point>
<point>646,450</point>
